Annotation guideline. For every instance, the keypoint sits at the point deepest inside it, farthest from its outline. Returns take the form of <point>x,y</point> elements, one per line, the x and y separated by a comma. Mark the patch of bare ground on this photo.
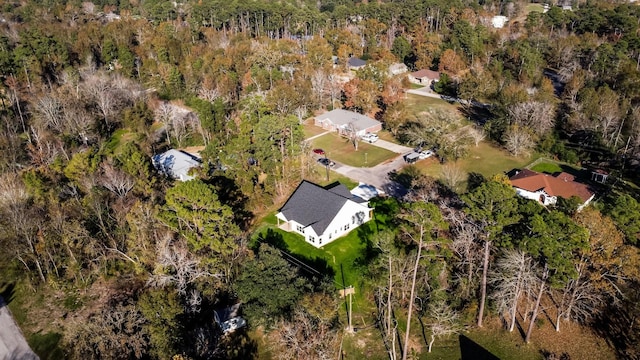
<point>575,340</point>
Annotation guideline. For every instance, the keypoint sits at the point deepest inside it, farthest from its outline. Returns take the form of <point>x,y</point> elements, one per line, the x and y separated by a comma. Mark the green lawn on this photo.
<point>485,159</point>
<point>417,104</point>
<point>534,7</point>
<point>549,168</point>
<point>311,130</point>
<point>342,150</point>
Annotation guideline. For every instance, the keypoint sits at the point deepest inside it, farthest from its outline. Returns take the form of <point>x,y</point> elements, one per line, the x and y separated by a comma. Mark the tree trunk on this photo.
<point>483,285</point>
<point>389,300</point>
<point>536,308</point>
<point>405,351</point>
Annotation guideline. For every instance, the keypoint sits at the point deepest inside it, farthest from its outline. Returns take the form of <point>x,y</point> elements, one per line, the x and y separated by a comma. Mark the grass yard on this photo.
<point>545,167</point>
<point>485,159</point>
<point>311,130</point>
<point>339,257</point>
<point>534,7</point>
<point>417,104</point>
<point>341,150</point>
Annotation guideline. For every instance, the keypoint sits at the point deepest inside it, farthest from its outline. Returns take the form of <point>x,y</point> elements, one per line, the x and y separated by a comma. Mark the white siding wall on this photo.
<point>344,219</point>
<point>548,200</point>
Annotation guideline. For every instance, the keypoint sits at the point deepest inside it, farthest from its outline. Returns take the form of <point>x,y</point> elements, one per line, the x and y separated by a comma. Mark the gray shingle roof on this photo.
<point>343,117</point>
<point>356,62</point>
<point>316,206</point>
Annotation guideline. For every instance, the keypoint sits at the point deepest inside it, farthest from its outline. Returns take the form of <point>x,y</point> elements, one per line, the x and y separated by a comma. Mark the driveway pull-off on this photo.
<point>13,345</point>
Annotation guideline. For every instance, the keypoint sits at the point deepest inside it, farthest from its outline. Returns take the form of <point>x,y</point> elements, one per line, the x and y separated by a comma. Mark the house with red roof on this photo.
<point>546,188</point>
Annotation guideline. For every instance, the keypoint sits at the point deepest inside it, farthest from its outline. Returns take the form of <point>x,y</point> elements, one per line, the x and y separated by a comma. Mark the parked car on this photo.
<point>318,151</point>
<point>425,154</point>
<point>326,162</point>
<point>370,137</point>
<point>412,157</point>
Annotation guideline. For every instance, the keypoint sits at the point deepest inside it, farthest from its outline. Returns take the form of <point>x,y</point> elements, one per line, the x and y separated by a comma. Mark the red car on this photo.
<point>318,151</point>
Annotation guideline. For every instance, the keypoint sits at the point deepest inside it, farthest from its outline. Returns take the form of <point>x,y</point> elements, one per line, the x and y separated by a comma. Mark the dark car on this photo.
<point>318,151</point>
<point>326,162</point>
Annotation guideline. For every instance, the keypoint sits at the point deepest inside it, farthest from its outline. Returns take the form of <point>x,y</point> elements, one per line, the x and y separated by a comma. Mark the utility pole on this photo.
<point>343,293</point>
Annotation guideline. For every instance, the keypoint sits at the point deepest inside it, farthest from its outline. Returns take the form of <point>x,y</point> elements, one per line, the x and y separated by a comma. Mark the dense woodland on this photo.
<point>116,261</point>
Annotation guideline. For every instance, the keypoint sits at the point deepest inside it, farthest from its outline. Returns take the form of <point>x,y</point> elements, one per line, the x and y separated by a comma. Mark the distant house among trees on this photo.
<point>356,63</point>
<point>323,214</point>
<point>344,121</point>
<point>424,77</point>
<point>546,188</point>
<point>176,164</point>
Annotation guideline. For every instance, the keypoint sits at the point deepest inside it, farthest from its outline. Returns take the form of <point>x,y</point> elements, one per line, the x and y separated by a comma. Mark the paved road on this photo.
<point>13,346</point>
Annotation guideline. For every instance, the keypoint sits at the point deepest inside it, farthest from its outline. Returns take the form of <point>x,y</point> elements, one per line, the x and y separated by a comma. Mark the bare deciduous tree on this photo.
<point>513,279</point>
<point>116,180</point>
<point>453,175</point>
<point>443,321</point>
<point>477,134</point>
<point>304,337</point>
<point>536,115</point>
<point>176,266</point>
<point>49,110</point>
<point>518,140</point>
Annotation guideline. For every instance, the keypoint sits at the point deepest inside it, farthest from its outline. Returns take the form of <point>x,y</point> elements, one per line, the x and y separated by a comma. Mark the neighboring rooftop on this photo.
<point>344,117</point>
<point>316,206</point>
<point>426,73</point>
<point>176,163</point>
<point>356,62</point>
<point>561,184</point>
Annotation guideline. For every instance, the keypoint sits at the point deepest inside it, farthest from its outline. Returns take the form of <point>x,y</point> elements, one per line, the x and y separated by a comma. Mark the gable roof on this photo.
<point>356,62</point>
<point>316,206</point>
<point>176,163</point>
<point>561,184</point>
<point>344,117</point>
<point>430,74</point>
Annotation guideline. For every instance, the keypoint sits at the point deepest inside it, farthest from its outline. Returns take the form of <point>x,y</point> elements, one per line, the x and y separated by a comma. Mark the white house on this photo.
<point>546,189</point>
<point>342,120</point>
<point>176,164</point>
<point>323,214</point>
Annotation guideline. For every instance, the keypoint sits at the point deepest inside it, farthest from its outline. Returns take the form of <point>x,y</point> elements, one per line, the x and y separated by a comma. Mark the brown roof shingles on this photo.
<point>562,185</point>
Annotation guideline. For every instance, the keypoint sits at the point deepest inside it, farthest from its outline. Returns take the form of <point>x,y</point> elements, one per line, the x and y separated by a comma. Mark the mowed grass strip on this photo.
<point>341,150</point>
<point>484,159</point>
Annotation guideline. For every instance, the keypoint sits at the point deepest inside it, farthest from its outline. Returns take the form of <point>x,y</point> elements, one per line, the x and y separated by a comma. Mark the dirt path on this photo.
<point>13,345</point>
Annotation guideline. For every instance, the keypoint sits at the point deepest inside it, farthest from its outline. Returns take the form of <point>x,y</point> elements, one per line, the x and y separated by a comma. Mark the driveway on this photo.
<point>398,149</point>
<point>376,176</point>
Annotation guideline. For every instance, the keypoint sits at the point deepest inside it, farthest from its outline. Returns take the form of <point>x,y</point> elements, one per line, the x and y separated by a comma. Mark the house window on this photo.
<point>300,229</point>
<point>320,240</point>
<point>346,227</point>
<point>312,239</point>
<point>329,236</point>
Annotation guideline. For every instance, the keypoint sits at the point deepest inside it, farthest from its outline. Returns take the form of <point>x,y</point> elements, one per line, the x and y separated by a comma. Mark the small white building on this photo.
<point>499,21</point>
<point>176,164</point>
<point>323,214</point>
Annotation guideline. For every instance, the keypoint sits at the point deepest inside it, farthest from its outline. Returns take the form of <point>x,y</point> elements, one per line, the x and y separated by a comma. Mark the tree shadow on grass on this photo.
<point>470,350</point>
<point>7,293</point>
<point>313,268</point>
